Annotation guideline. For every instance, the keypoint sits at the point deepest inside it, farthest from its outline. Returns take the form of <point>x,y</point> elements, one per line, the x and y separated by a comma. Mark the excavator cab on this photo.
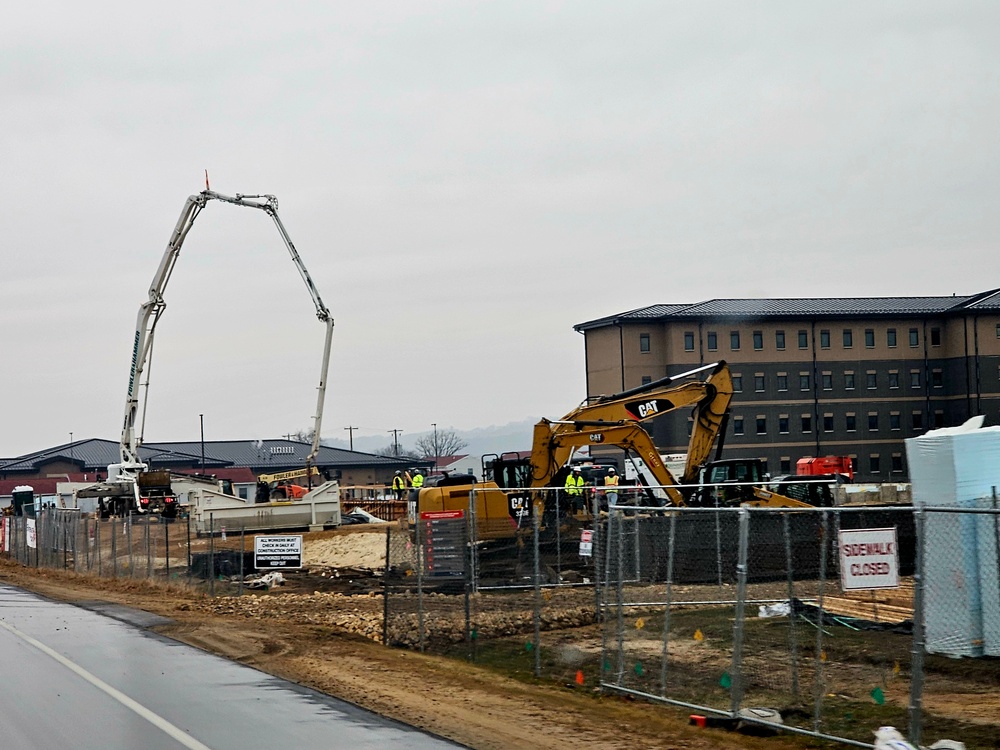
<point>742,473</point>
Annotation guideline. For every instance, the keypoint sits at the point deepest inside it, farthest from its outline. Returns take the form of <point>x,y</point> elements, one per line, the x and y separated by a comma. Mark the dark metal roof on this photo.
<point>277,454</point>
<point>824,307</point>
<point>95,454</point>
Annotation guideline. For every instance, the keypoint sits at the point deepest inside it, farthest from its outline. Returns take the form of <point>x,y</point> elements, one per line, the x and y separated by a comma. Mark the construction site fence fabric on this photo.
<point>840,620</point>
<point>136,547</point>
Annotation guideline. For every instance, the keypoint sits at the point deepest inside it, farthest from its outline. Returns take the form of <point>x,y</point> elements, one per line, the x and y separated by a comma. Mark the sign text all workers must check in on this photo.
<point>277,552</point>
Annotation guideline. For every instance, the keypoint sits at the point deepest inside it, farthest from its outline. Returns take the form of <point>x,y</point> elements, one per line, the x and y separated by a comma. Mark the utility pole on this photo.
<point>71,447</point>
<point>395,441</point>
<point>351,431</point>
<point>201,419</point>
<point>437,451</point>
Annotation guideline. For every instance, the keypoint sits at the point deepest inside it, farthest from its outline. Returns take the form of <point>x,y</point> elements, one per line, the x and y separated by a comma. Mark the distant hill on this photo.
<point>514,436</point>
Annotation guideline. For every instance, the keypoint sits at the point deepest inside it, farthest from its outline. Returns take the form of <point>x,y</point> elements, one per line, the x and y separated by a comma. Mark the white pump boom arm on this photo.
<point>150,311</point>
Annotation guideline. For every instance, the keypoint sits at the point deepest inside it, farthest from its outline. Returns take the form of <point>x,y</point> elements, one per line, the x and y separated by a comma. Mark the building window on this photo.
<point>646,380</point>
<point>804,338</point>
<point>737,383</point>
<point>779,340</point>
<point>713,341</point>
<point>938,419</point>
<point>758,383</point>
<point>734,340</point>
<point>824,339</point>
<point>848,338</point>
<point>937,378</point>
<point>827,381</point>
<point>827,423</point>
<point>785,462</point>
<point>918,420</point>
<point>914,378</point>
<point>244,493</point>
<point>935,337</point>
<point>807,423</point>
<point>871,380</point>
<point>914,337</point>
<point>804,381</point>
<point>782,381</point>
<point>890,337</point>
<point>869,338</point>
<point>872,421</point>
<point>783,424</point>
<point>849,380</point>
<point>897,463</point>
<point>852,423</point>
<point>689,341</point>
<point>644,342</point>
<point>894,420</point>
<point>737,425</point>
<point>873,464</point>
<point>761,425</point>
<point>998,330</point>
<point>758,340</point>
<point>894,378</point>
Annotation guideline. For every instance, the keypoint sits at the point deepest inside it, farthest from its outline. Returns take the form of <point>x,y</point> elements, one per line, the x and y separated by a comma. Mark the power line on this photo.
<point>395,440</point>
<point>351,431</point>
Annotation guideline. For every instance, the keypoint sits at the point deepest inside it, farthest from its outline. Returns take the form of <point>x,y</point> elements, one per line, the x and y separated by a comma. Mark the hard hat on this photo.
<point>576,468</point>
<point>398,472</point>
<point>611,470</point>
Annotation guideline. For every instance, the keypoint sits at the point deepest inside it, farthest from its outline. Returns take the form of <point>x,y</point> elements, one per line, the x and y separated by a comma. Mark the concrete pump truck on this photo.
<point>131,487</point>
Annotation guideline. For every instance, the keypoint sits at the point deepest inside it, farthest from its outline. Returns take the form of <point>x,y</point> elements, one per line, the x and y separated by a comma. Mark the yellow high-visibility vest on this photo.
<point>398,483</point>
<point>417,482</point>
<point>574,485</point>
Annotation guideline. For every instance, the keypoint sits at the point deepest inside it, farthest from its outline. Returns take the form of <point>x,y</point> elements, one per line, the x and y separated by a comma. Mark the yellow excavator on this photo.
<point>616,420</point>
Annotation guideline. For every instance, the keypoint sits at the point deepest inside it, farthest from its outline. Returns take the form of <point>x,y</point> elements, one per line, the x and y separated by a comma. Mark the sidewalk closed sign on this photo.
<point>869,559</point>
<point>277,552</point>
<point>586,543</point>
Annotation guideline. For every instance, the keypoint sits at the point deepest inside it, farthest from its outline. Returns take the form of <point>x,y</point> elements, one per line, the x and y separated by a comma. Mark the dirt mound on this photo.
<point>360,549</point>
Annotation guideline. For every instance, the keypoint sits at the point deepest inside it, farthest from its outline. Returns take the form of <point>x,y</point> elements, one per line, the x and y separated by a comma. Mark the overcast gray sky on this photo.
<point>465,182</point>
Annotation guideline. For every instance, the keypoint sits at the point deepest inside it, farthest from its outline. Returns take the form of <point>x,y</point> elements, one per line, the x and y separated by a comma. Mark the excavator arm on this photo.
<point>709,398</point>
<point>631,437</point>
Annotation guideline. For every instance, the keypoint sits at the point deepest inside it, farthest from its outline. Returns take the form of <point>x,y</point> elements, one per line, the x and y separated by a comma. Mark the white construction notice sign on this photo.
<point>277,552</point>
<point>869,559</point>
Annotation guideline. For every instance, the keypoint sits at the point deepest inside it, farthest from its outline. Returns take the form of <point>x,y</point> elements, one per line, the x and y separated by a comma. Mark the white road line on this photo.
<point>156,720</point>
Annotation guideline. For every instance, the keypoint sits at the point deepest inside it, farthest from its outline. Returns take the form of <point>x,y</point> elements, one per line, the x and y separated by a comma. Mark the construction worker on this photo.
<point>611,487</point>
<point>398,485</point>
<point>415,484</point>
<point>574,490</point>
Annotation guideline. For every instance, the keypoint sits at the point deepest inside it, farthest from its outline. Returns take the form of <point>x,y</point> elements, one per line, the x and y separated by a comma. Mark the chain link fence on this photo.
<point>739,614</point>
<point>781,615</point>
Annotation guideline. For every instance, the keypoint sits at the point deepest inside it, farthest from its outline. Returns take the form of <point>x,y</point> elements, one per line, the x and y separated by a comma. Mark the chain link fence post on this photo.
<point>736,687</point>
<point>211,554</point>
<point>420,582</point>
<point>917,645</point>
<point>385,585</point>
<point>818,687</point>
<point>668,597</point>
<point>537,608</point>
<point>620,581</point>
<point>792,615</point>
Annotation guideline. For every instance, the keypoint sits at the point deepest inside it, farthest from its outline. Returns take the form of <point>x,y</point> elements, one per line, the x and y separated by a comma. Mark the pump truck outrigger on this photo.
<point>130,486</point>
<point>615,420</point>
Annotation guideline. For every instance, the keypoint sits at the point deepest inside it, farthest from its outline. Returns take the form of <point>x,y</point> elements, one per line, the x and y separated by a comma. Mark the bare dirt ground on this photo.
<point>451,698</point>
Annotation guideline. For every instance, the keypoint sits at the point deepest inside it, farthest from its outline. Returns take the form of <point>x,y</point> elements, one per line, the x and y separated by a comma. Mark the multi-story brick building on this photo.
<point>814,377</point>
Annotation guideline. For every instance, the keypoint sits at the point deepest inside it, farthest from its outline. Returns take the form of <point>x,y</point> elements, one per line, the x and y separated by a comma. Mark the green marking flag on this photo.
<point>529,646</point>
<point>878,696</point>
<point>607,666</point>
<point>638,668</point>
<point>726,681</point>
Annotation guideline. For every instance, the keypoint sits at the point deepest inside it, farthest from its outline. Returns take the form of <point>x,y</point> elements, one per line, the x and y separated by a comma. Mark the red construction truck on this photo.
<point>809,466</point>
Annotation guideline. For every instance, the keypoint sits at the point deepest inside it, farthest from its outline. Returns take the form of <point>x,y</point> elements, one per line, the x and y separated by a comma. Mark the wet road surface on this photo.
<point>75,678</point>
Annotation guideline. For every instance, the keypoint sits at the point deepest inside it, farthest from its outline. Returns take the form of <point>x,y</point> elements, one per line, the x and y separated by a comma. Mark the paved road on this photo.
<point>80,679</point>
